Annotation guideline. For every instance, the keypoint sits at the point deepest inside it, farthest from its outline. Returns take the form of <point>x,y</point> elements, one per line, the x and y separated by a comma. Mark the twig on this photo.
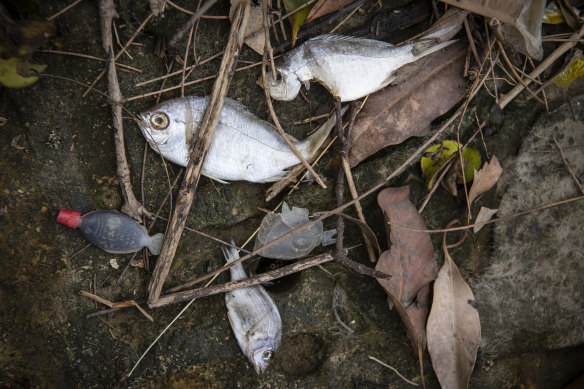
<point>121,65</point>
<point>243,283</point>
<point>351,183</point>
<point>394,370</point>
<point>164,77</point>
<point>61,12</point>
<point>568,166</point>
<point>311,119</point>
<point>131,206</point>
<point>343,149</point>
<point>506,99</point>
<point>345,19</point>
<point>119,54</point>
<point>200,149</point>
<point>124,304</point>
<point>179,34</point>
<point>186,11</point>
<point>267,48</point>
<point>496,220</point>
<point>470,40</point>
<point>517,76</point>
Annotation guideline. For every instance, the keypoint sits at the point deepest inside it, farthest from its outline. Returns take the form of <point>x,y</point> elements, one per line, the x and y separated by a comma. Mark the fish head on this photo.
<point>286,87</point>
<point>262,357</point>
<point>169,128</point>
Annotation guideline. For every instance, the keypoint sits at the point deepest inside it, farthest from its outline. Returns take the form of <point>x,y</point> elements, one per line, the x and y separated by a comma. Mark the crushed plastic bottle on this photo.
<point>112,231</point>
<point>274,225</point>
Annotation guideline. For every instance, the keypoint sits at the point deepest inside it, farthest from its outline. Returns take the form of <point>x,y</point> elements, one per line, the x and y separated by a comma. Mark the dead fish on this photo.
<point>244,147</point>
<point>349,67</point>
<point>254,317</point>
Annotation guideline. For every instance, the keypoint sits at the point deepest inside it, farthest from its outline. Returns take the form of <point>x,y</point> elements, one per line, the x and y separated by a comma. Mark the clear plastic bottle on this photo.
<point>112,231</point>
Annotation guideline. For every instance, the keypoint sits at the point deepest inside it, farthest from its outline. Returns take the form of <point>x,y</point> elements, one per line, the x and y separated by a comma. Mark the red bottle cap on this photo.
<point>68,218</point>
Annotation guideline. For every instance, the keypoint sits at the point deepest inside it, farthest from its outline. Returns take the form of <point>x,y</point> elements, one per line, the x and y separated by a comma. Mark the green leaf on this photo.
<point>437,155</point>
<point>298,18</point>
<point>17,72</point>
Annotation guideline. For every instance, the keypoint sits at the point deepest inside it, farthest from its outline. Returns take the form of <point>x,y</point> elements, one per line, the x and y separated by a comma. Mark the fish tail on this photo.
<point>425,47</point>
<point>310,145</point>
<point>155,243</point>
<point>230,253</point>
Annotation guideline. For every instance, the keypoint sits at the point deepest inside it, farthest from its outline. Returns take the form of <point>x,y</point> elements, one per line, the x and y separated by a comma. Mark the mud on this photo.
<point>68,161</point>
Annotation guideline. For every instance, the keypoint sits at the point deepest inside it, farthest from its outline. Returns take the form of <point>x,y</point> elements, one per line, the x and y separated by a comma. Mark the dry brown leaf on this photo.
<point>454,329</point>
<point>410,261</point>
<point>397,112</point>
<point>485,214</point>
<point>323,7</point>
<point>485,178</point>
<point>255,26</point>
<point>504,10</point>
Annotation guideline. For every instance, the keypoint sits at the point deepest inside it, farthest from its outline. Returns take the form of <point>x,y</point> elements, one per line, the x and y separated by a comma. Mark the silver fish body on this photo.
<point>254,318</point>
<point>349,67</point>
<point>244,147</point>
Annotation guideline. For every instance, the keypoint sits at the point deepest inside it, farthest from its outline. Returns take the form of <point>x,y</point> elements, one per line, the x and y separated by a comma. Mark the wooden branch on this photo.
<point>192,21</point>
<point>200,150</point>
<point>506,99</point>
<point>132,206</point>
<point>264,277</point>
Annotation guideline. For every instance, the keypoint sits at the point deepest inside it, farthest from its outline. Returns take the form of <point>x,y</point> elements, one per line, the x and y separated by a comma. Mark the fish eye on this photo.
<point>159,121</point>
<point>267,356</point>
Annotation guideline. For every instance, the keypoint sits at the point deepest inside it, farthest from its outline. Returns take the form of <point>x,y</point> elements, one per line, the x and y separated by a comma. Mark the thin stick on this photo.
<point>568,166</point>
<point>176,73</point>
<point>200,149</point>
<point>311,119</point>
<point>119,54</point>
<point>470,40</point>
<point>243,283</point>
<point>186,11</point>
<point>124,304</point>
<point>182,81</point>
<point>179,34</point>
<point>345,19</point>
<point>506,99</point>
<point>67,8</point>
<point>349,176</point>
<point>517,76</point>
<point>394,370</point>
<point>131,206</point>
<point>496,220</point>
<point>267,48</point>
<point>121,65</point>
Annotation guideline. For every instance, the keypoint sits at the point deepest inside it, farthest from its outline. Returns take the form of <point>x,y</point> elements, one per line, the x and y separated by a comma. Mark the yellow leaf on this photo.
<point>17,72</point>
<point>298,18</point>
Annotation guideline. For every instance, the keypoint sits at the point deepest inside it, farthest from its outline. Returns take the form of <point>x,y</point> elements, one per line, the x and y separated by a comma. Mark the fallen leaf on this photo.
<point>398,112</point>
<point>299,17</point>
<point>410,261</point>
<point>485,178</point>
<point>256,38</point>
<point>485,214</point>
<point>504,10</point>
<point>454,329</point>
<point>437,155</point>
<point>324,7</point>
<point>18,72</point>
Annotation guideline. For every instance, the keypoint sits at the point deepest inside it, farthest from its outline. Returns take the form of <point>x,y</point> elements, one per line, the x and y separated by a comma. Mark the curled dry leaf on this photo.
<point>256,38</point>
<point>454,329</point>
<point>323,7</point>
<point>504,10</point>
<point>410,261</point>
<point>485,178</point>
<point>485,214</point>
<point>397,112</point>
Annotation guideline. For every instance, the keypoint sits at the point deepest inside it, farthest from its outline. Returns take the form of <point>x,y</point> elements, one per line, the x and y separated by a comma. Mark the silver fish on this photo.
<point>244,147</point>
<point>254,318</point>
<point>349,67</point>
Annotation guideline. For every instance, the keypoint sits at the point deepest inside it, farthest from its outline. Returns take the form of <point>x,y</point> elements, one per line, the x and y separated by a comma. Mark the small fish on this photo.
<point>254,317</point>
<point>244,147</point>
<point>351,67</point>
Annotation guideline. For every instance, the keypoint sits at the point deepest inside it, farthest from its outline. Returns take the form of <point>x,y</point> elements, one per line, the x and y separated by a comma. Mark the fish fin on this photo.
<point>310,145</point>
<point>307,85</point>
<point>334,38</point>
<point>428,46</point>
<point>230,253</point>
<point>155,243</point>
<point>329,237</point>
<point>215,178</point>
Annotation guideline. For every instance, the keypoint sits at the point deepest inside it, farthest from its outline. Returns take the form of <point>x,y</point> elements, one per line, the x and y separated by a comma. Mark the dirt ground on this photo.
<point>57,151</point>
